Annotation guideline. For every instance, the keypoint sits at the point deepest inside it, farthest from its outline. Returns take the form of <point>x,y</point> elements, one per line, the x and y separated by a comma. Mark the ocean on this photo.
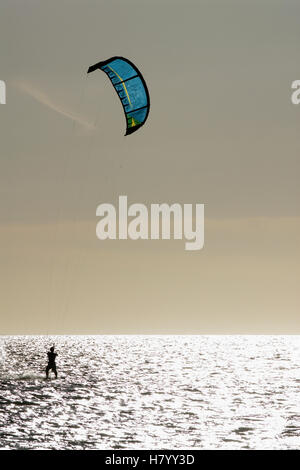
<point>150,392</point>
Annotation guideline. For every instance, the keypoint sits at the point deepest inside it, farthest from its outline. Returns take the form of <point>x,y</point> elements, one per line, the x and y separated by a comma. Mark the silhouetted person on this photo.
<point>51,362</point>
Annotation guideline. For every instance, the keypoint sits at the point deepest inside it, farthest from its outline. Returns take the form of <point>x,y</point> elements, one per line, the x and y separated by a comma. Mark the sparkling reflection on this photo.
<point>150,392</point>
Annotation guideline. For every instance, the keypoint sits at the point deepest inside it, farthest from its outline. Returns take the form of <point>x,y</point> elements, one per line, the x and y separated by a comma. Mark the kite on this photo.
<point>131,88</point>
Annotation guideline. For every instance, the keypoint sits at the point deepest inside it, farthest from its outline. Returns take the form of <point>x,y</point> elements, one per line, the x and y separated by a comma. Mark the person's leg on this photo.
<point>47,371</point>
<point>55,371</point>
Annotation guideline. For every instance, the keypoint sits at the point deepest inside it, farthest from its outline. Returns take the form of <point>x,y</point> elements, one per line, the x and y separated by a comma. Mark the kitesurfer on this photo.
<point>51,362</point>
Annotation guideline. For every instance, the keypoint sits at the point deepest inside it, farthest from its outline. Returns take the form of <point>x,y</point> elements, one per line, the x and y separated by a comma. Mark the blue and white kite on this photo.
<point>131,88</point>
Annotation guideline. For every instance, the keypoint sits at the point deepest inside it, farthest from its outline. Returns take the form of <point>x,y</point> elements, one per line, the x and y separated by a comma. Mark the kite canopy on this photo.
<point>131,88</point>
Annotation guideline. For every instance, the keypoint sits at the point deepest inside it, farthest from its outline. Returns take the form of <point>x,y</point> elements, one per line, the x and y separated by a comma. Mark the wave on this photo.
<point>14,376</point>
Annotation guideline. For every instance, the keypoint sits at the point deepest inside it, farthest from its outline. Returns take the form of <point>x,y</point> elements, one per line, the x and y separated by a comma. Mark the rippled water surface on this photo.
<point>150,392</point>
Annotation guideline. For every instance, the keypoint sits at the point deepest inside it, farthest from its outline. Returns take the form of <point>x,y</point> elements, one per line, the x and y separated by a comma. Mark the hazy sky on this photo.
<point>221,131</point>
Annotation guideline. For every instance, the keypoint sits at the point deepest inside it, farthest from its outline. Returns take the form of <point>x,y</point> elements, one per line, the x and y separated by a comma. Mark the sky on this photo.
<point>222,131</point>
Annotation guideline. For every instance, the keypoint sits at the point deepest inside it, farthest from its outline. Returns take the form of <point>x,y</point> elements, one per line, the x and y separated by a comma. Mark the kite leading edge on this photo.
<point>131,88</point>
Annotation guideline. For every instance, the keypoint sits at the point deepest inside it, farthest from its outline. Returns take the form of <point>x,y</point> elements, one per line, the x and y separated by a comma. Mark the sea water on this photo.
<point>150,392</point>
